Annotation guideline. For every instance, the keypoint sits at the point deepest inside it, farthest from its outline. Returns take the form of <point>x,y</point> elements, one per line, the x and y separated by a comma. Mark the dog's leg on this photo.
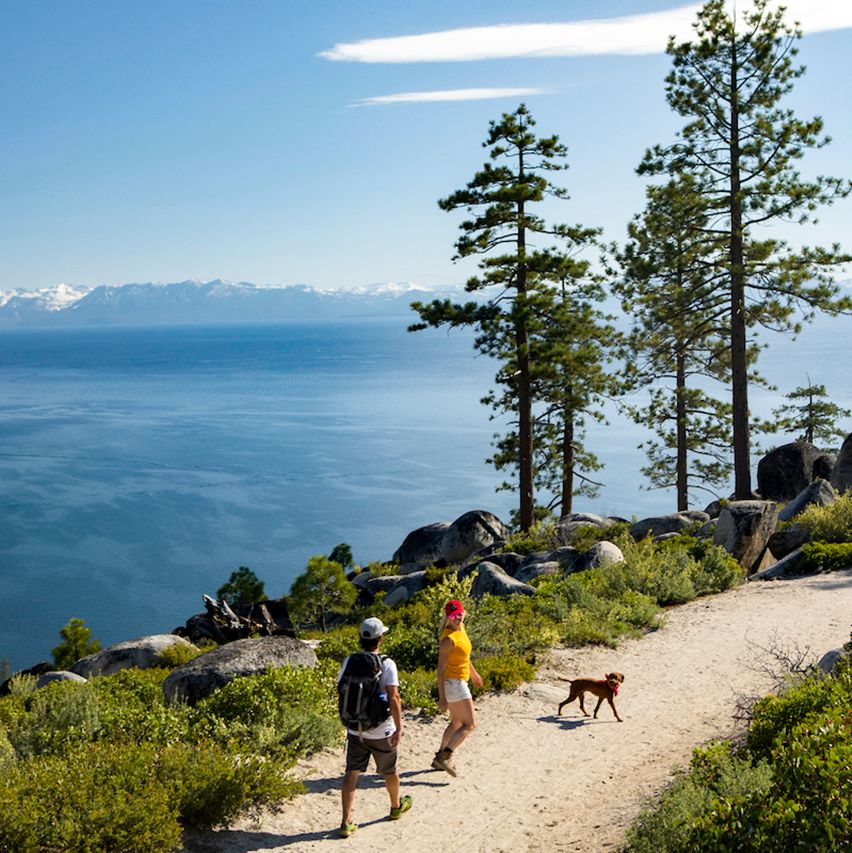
<point>612,705</point>
<point>582,706</point>
<point>572,695</point>
<point>597,707</point>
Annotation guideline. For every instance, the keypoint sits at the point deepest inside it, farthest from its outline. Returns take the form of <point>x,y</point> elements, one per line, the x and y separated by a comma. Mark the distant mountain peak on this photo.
<point>195,301</point>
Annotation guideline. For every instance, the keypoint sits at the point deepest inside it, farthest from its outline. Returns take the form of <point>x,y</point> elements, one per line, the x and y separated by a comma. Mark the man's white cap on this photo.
<point>373,628</point>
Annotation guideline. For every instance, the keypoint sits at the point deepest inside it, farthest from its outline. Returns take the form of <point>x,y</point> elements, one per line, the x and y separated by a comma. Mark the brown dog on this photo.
<point>605,689</point>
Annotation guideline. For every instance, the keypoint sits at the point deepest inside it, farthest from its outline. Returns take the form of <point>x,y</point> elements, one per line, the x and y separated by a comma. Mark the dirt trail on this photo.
<point>532,781</point>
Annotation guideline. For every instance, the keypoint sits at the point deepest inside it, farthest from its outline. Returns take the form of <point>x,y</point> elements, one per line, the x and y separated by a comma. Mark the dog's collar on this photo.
<point>613,685</point>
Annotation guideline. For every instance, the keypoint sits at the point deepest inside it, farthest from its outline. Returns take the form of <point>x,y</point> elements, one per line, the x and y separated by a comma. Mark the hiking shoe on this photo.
<point>346,829</point>
<point>443,760</point>
<point>404,806</point>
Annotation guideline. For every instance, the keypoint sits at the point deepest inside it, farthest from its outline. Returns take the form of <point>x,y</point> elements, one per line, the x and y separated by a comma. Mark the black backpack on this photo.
<point>360,700</point>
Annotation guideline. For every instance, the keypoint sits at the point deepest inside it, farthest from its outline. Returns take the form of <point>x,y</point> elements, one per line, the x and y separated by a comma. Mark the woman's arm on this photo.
<point>475,677</point>
<point>444,649</point>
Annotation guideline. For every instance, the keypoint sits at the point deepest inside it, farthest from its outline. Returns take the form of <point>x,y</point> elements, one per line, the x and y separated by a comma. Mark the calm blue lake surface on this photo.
<point>140,466</point>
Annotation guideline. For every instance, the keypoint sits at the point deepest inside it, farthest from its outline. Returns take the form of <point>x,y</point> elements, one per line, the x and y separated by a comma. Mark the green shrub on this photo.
<point>791,789</point>
<point>287,711</point>
<point>540,537</point>
<point>826,557</point>
<point>503,672</point>
<point>22,684</point>
<point>717,772</point>
<point>99,797</point>
<point>510,626</point>
<point>437,574</point>
<point>807,807</point>
<point>129,796</point>
<point>774,717</point>
<point>831,523</point>
<point>210,787</point>
<point>717,570</point>
<point>338,643</point>
<point>59,716</point>
<point>380,570</point>
<point>412,646</point>
<point>419,689</point>
<point>132,708</point>
<point>179,654</point>
<point>7,752</point>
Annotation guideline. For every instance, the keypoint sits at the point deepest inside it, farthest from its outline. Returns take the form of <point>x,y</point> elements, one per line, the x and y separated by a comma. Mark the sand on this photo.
<point>532,781</point>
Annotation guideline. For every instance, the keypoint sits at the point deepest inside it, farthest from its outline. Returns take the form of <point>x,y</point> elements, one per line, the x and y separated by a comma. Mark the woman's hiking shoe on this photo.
<point>404,806</point>
<point>346,829</point>
<point>443,760</point>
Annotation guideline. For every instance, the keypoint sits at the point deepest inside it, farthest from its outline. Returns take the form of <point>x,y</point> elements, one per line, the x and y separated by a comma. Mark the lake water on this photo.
<point>140,466</point>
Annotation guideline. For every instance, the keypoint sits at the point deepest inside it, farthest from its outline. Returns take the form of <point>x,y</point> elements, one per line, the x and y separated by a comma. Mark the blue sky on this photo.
<point>285,142</point>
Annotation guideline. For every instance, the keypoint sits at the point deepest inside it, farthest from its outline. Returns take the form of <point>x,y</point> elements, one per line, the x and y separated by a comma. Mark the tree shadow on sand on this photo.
<point>374,780</point>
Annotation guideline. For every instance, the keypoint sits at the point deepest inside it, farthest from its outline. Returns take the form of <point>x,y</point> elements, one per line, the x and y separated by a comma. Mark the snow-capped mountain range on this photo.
<point>214,301</point>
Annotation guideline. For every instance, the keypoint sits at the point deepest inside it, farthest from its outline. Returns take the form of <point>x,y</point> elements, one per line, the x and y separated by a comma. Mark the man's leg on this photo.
<point>392,784</point>
<point>347,791</point>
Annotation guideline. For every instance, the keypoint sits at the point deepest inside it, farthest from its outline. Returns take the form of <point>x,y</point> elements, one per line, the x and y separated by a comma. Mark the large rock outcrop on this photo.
<point>568,525</point>
<point>213,670</point>
<point>490,579</point>
<point>744,531</point>
<point>841,473</point>
<point>787,539</point>
<point>660,525</point>
<point>600,553</point>
<point>788,470</point>
<point>60,675</point>
<point>818,493</point>
<point>445,544</point>
<point>141,653</point>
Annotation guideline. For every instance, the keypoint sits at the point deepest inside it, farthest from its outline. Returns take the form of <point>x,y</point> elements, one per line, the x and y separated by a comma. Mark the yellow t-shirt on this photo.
<point>458,662</point>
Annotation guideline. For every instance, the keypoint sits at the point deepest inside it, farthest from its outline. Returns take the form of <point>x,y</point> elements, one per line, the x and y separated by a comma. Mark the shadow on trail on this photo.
<point>241,841</point>
<point>565,723</point>
<point>374,780</point>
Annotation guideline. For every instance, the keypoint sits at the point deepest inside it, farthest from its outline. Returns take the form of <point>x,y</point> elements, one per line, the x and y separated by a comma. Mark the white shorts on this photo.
<point>455,690</point>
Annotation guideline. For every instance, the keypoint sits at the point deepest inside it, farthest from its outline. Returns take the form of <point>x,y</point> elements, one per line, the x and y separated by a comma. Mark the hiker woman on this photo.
<point>454,670</point>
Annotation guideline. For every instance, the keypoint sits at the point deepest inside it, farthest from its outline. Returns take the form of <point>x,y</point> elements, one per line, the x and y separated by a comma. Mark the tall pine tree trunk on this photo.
<point>680,415</point>
<point>567,503</point>
<point>739,365</point>
<point>522,346</point>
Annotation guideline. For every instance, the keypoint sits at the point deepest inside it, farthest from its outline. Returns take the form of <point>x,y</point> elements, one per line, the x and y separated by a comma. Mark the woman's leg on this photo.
<point>462,723</point>
<point>453,726</point>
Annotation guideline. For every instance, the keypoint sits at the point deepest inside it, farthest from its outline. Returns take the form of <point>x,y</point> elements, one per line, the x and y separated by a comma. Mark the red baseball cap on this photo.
<point>454,608</point>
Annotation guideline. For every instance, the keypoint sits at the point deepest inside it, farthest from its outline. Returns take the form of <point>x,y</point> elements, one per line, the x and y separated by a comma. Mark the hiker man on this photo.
<point>370,708</point>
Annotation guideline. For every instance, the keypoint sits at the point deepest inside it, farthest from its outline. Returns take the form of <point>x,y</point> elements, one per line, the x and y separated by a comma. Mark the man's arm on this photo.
<point>395,705</point>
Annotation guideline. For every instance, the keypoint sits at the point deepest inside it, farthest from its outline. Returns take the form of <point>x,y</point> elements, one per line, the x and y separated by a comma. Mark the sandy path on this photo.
<point>531,781</point>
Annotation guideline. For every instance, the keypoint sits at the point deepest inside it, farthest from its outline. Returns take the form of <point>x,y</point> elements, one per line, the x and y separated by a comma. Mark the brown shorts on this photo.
<point>358,754</point>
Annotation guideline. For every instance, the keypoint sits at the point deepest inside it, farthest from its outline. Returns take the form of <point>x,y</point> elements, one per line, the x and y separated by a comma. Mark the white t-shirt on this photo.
<point>388,678</point>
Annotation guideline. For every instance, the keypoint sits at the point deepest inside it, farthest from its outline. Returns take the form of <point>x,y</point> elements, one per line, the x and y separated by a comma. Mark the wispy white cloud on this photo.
<point>446,95</point>
<point>633,34</point>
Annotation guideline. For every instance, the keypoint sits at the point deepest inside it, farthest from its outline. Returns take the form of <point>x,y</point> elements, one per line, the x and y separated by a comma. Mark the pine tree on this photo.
<point>243,587</point>
<point>319,592</point>
<point>500,198</point>
<point>573,349</point>
<point>678,338</point>
<point>76,643</point>
<point>815,418</point>
<point>729,83</point>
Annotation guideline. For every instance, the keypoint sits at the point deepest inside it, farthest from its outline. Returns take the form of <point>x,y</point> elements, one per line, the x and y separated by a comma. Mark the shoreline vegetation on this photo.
<point>109,764</point>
